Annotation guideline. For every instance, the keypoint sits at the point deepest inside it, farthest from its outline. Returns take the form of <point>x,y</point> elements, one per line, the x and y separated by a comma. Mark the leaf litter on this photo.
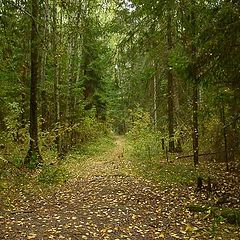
<point>110,206</point>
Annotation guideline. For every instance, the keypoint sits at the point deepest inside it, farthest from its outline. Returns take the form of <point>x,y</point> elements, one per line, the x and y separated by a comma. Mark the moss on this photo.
<point>198,208</point>
<point>230,215</point>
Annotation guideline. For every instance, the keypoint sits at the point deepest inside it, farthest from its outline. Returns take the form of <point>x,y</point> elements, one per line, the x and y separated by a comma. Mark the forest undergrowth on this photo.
<point>18,180</point>
<point>165,190</point>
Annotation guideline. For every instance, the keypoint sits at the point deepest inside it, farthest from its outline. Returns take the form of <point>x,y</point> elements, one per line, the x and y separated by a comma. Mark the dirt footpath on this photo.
<point>105,203</point>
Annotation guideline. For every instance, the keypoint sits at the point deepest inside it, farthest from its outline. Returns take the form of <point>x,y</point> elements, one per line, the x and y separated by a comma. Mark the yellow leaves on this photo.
<point>104,230</point>
<point>31,236</point>
<point>113,207</point>
<point>189,228</point>
<point>108,230</point>
<point>174,235</point>
<point>134,216</point>
<point>161,235</point>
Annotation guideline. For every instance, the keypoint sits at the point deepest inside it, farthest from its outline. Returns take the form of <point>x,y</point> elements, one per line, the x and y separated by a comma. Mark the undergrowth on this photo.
<point>83,155</point>
<point>167,173</point>
<point>17,180</point>
<point>149,159</point>
<point>94,147</point>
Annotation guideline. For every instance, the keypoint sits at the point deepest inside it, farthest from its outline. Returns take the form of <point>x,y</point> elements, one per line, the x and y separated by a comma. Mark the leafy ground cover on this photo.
<point>16,180</point>
<point>107,196</point>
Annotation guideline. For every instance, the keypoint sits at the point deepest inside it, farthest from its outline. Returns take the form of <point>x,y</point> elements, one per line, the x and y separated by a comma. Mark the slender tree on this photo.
<point>56,79</point>
<point>33,154</point>
<point>43,56</point>
<point>194,78</point>
<point>170,86</point>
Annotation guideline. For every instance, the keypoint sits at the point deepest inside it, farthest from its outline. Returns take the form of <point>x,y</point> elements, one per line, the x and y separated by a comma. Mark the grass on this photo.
<point>95,147</point>
<point>157,168</point>
<point>17,180</point>
<point>79,160</point>
<point>51,175</point>
<point>167,173</point>
<point>149,161</point>
<point>230,215</point>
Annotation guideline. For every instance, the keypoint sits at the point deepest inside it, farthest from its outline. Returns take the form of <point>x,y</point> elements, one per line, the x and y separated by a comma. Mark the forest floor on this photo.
<point>106,200</point>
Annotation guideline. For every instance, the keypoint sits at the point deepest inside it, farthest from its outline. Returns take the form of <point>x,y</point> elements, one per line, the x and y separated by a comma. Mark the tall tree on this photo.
<point>33,154</point>
<point>56,79</point>
<point>43,56</point>
<point>194,78</point>
<point>170,85</point>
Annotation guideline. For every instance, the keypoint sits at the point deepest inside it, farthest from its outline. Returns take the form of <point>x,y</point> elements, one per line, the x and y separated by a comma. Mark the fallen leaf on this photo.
<point>31,236</point>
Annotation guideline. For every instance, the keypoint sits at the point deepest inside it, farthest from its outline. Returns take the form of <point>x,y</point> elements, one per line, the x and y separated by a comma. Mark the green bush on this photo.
<point>170,173</point>
<point>143,141</point>
<point>51,174</point>
<point>145,151</point>
<point>17,161</point>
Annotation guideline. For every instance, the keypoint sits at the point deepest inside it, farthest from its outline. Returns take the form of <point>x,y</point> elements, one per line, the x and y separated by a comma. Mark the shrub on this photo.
<point>51,174</point>
<point>144,142</point>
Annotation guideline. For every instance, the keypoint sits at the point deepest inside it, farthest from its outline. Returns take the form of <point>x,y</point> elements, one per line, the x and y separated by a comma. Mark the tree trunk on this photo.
<point>56,81</point>
<point>193,76</point>
<point>195,120</point>
<point>33,154</point>
<point>44,105</point>
<point>155,97</point>
<point>223,120</point>
<point>24,103</point>
<point>176,87</point>
<point>234,136</point>
<point>170,89</point>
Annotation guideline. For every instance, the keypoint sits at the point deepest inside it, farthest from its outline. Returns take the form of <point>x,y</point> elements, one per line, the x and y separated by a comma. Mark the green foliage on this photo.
<point>215,224</point>
<point>144,142</point>
<point>17,161</point>
<point>144,148</point>
<point>173,173</point>
<point>179,61</point>
<point>90,129</point>
<point>12,119</point>
<point>219,214</point>
<point>94,147</point>
<point>51,174</point>
<point>33,161</point>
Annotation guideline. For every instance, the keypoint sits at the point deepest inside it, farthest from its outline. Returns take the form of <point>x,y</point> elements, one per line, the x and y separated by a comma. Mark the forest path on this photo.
<point>108,163</point>
<point>103,203</point>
